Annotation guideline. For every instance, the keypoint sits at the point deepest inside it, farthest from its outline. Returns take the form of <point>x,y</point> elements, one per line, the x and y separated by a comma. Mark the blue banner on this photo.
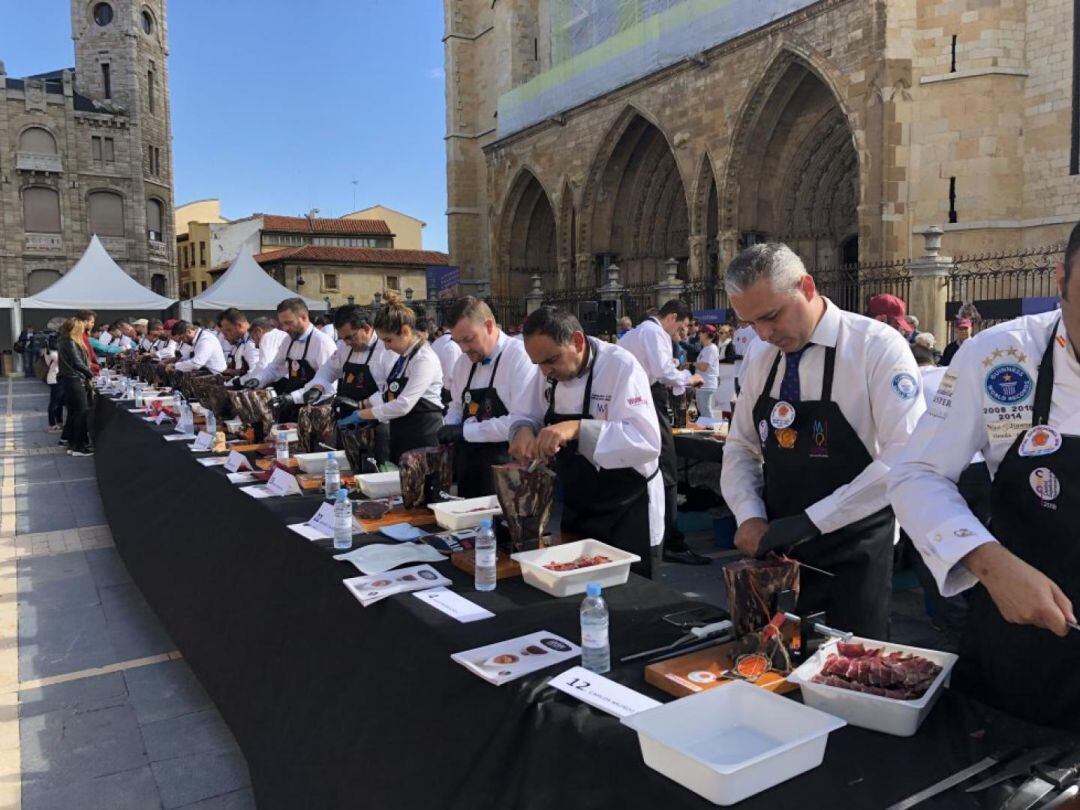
<point>443,282</point>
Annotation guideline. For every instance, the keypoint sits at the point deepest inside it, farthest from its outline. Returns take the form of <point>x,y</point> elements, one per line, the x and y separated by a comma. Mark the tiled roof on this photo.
<point>350,255</point>
<point>364,227</point>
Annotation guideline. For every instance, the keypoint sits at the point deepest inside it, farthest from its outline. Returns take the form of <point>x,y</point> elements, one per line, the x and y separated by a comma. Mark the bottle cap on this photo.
<point>342,494</point>
<point>329,455</point>
<point>592,589</point>
<point>485,523</point>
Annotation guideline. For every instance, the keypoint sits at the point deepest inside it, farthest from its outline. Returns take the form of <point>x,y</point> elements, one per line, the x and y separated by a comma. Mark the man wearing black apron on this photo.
<point>297,361</point>
<point>829,398</point>
<point>492,371</point>
<point>358,374</point>
<point>650,342</point>
<point>1013,393</point>
<point>589,414</point>
<point>206,354</point>
<point>242,355</point>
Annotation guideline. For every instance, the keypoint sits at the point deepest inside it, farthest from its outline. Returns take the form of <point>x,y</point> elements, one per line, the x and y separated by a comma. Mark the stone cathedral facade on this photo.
<point>87,150</point>
<point>585,132</point>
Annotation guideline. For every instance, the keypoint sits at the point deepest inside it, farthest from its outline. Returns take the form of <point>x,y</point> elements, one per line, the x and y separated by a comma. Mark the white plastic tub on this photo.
<point>315,463</point>
<point>290,432</point>
<point>732,742</point>
<point>380,485</point>
<point>901,718</point>
<point>454,515</point>
<point>568,583</point>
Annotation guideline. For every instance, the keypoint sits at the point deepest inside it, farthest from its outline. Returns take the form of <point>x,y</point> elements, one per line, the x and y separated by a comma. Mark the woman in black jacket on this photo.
<point>75,378</point>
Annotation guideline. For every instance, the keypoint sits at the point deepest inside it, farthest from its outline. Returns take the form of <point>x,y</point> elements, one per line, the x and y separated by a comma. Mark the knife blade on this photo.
<point>1018,767</point>
<point>1043,781</point>
<point>949,782</point>
<point>1067,795</point>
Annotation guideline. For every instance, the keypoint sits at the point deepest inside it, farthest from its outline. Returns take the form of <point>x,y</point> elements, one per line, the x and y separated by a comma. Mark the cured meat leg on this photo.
<point>314,425</point>
<point>752,586</point>
<point>525,498</point>
<point>425,471</point>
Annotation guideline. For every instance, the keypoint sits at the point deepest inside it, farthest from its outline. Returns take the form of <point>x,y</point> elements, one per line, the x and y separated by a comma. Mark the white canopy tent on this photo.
<point>245,285</point>
<point>97,282</point>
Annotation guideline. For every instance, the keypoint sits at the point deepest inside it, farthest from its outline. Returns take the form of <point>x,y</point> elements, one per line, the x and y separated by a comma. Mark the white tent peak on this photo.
<point>97,282</point>
<point>245,285</point>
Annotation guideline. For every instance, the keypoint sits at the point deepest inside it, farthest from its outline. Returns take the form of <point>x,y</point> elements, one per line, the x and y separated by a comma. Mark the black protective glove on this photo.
<point>785,533</point>
<point>234,383</point>
<point>277,403</point>
<point>251,384</point>
<point>449,434</point>
<point>312,395</point>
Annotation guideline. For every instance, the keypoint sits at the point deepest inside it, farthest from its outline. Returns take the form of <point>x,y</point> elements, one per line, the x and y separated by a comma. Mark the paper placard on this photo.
<point>179,437</point>
<point>258,491</point>
<point>509,660</point>
<point>236,462</point>
<point>136,410</point>
<point>242,478</point>
<point>282,483</point>
<point>213,461</point>
<point>453,605</point>
<point>307,531</point>
<point>323,520</point>
<point>602,693</point>
<point>375,588</point>
<point>161,417</point>
<point>203,441</point>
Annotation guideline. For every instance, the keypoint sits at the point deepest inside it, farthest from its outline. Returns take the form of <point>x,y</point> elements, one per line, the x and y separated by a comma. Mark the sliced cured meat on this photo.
<point>894,675</point>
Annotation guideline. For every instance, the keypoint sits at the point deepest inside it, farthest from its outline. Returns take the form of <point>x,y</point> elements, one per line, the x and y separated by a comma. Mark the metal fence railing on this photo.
<point>851,286</point>
<point>994,283</point>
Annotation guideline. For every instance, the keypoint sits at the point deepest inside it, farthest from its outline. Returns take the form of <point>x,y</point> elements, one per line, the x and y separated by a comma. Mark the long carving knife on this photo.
<point>1044,781</point>
<point>949,782</point>
<point>1064,798</point>
<point>1019,767</point>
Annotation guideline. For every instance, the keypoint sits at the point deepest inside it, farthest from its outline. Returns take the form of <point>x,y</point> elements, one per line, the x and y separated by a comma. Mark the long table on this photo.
<point>336,705</point>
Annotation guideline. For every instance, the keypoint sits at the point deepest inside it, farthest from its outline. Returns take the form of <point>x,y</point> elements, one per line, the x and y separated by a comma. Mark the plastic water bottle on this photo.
<point>211,423</point>
<point>595,648</point>
<point>281,446</point>
<point>485,557</point>
<point>331,475</point>
<point>187,421</point>
<point>343,522</point>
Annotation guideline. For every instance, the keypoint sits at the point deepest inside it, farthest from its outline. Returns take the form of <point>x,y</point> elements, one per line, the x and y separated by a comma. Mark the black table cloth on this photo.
<point>336,705</point>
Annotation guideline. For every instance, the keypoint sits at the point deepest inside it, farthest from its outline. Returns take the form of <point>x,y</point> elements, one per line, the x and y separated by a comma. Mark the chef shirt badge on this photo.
<point>349,378</point>
<point>763,430</point>
<point>782,416</point>
<point>786,437</point>
<point>1007,383</point>
<point>1040,440</point>
<point>1046,485</point>
<point>905,386</point>
<point>820,435</point>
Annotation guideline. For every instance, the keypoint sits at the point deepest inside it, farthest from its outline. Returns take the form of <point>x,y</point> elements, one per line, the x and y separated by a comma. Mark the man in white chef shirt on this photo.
<point>828,403</point>
<point>589,414</point>
<point>242,354</point>
<point>448,353</point>
<point>650,342</point>
<point>169,346</point>
<point>126,337</point>
<point>267,339</point>
<point>492,371</point>
<point>1013,393</point>
<point>206,352</point>
<point>142,342</point>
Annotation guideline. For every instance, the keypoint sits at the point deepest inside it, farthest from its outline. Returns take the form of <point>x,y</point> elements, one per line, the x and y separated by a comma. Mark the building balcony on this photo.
<point>158,250</point>
<point>44,243</point>
<point>36,162</point>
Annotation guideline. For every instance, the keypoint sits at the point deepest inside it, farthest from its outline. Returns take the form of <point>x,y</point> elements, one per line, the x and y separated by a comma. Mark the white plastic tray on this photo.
<point>380,485</point>
<point>901,718</point>
<point>315,463</point>
<point>568,583</point>
<point>454,515</point>
<point>731,743</point>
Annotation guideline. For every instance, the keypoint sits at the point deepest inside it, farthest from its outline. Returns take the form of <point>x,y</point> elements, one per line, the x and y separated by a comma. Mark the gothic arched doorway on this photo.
<point>528,242</point>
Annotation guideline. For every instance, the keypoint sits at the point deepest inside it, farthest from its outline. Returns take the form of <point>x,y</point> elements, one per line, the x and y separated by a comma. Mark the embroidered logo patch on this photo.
<point>1008,384</point>
<point>783,415</point>
<point>905,386</point>
<point>763,430</point>
<point>785,437</point>
<point>820,447</point>
<point>1040,441</point>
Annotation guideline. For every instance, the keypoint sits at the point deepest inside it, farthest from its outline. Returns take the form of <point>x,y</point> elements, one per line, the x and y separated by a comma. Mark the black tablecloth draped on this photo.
<point>340,706</point>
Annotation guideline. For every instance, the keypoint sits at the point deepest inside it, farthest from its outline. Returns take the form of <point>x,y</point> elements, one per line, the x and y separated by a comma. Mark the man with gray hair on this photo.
<point>829,399</point>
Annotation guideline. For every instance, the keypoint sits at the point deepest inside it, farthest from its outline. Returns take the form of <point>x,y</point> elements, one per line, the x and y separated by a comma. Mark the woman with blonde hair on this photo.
<point>75,377</point>
<point>412,399</point>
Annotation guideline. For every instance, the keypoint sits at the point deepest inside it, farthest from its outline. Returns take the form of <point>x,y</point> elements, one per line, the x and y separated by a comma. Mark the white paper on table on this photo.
<point>203,441</point>
<point>309,532</point>
<point>160,417</point>
<point>136,410</point>
<point>283,483</point>
<point>145,418</point>
<point>215,461</point>
<point>323,520</point>
<point>371,589</point>
<point>509,660</point>
<point>242,478</point>
<point>237,462</point>
<point>180,437</point>
<point>454,605</point>
<point>602,693</point>
<point>381,557</point>
<point>258,491</point>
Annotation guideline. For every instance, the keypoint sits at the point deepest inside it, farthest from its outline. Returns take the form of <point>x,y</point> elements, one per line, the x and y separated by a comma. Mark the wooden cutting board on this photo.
<point>420,516</point>
<point>310,482</point>
<point>250,448</point>
<point>504,566</point>
<point>270,463</point>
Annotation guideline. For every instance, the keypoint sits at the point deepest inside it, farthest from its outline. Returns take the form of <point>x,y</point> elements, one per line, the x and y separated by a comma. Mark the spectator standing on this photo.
<point>56,393</point>
<point>708,366</point>
<point>962,330</point>
<point>74,375</point>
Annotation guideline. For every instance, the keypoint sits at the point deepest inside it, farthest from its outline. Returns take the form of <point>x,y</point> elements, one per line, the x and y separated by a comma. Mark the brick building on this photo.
<point>87,150</point>
<point>585,132</point>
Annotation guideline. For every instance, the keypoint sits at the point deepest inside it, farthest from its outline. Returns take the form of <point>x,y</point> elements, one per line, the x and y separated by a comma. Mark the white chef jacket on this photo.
<point>382,360</point>
<point>448,353</point>
<point>424,382</point>
<point>243,349</point>
<point>651,346</point>
<point>205,353</point>
<point>743,338</point>
<point>515,377</point>
<point>268,348</point>
<point>124,342</point>
<point>876,385</point>
<point>144,344</point>
<point>329,331</point>
<point>322,348</point>
<point>224,341</point>
<point>624,431</point>
<point>168,349</point>
<point>973,412</point>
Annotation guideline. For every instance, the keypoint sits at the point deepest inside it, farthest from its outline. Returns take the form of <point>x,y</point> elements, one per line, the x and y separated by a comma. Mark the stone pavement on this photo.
<point>97,709</point>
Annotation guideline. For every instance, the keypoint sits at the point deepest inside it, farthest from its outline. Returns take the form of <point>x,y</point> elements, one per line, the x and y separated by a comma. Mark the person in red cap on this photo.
<point>962,330</point>
<point>891,310</point>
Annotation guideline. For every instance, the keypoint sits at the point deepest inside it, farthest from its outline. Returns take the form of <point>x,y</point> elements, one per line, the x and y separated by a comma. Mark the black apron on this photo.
<point>357,383</point>
<point>608,505</point>
<point>474,460</point>
<point>300,372</point>
<point>810,450</point>
<point>243,368</point>
<point>1035,506</point>
<point>417,428</point>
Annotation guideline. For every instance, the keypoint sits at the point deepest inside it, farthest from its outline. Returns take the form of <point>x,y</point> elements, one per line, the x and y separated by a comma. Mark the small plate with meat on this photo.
<point>565,570</point>
<point>884,687</point>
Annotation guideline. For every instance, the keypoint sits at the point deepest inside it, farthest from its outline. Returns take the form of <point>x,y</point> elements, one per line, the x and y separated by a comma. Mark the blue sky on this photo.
<point>277,105</point>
